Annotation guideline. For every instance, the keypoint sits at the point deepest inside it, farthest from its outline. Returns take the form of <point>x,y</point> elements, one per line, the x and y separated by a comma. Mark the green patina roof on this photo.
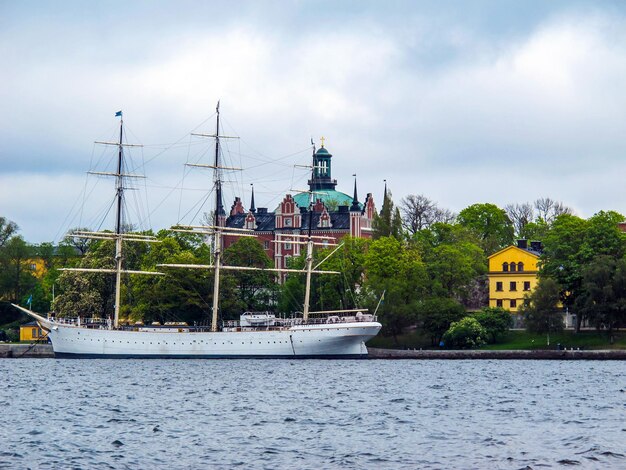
<point>342,199</point>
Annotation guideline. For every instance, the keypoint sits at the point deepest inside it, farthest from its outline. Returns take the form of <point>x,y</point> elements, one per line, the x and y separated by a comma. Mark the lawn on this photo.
<point>514,339</point>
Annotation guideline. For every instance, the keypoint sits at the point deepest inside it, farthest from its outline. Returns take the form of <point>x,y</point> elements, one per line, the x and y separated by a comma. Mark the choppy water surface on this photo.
<point>311,414</point>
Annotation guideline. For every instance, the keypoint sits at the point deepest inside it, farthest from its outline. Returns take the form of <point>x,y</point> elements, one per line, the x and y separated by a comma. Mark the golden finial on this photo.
<point>322,139</point>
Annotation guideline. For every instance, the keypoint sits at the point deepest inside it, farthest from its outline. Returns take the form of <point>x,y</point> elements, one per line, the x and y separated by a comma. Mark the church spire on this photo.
<point>355,199</point>
<point>252,207</point>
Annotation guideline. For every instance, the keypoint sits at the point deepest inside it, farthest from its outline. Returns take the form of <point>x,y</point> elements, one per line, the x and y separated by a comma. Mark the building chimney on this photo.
<point>522,243</point>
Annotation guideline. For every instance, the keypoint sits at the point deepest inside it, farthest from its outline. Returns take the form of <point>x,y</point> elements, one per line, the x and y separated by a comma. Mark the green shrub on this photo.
<point>466,333</point>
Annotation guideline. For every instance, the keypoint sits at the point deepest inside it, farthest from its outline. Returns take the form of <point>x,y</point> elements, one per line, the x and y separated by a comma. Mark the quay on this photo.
<point>590,354</point>
<point>17,351</point>
<point>26,350</point>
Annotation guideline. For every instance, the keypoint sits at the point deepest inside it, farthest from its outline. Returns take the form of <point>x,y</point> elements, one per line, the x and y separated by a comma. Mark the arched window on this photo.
<point>513,266</point>
<point>520,266</point>
<point>505,266</point>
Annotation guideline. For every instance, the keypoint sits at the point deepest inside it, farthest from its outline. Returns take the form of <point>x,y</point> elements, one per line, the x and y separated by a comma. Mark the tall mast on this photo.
<point>118,225</point>
<point>218,234</point>
<point>309,249</point>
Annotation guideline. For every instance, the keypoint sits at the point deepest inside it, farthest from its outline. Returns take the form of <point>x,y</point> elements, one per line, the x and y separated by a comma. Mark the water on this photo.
<point>311,414</point>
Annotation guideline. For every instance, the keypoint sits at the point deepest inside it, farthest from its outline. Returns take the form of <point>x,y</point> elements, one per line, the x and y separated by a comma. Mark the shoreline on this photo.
<point>17,351</point>
<point>542,354</point>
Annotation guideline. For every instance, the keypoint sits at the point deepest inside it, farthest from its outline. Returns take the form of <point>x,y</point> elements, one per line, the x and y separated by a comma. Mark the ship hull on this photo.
<point>316,341</point>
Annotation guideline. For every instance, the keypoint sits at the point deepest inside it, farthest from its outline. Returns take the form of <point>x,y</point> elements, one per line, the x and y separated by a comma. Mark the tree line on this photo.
<point>423,267</point>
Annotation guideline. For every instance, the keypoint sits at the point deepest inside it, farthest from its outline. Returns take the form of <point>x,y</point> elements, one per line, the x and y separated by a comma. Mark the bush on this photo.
<point>496,321</point>
<point>466,333</point>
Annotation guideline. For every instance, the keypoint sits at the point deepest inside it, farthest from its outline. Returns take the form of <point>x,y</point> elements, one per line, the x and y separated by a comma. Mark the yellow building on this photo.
<point>37,266</point>
<point>513,274</point>
<point>32,332</point>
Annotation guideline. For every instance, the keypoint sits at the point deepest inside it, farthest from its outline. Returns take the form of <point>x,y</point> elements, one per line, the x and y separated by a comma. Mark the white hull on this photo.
<point>323,340</point>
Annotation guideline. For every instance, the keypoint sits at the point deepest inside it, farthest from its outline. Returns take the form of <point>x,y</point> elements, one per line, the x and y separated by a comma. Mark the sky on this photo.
<point>463,102</point>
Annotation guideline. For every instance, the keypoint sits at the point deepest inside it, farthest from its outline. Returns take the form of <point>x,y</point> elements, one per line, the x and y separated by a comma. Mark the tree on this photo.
<point>603,297</point>
<point>520,215</point>
<point>419,212</point>
<point>437,314</point>
<point>496,321</point>
<point>466,333</point>
<point>572,243</point>
<point>388,223</point>
<point>560,259</point>
<point>7,230</point>
<point>548,210</point>
<point>15,277</point>
<point>540,310</point>
<point>255,289</point>
<point>397,271</point>
<point>490,223</point>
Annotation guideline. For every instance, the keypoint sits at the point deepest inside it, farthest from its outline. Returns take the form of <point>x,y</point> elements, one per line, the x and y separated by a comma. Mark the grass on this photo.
<point>568,339</point>
<point>514,339</point>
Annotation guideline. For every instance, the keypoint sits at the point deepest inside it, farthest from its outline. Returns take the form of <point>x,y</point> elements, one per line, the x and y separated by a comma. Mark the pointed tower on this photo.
<point>355,214</point>
<point>252,207</point>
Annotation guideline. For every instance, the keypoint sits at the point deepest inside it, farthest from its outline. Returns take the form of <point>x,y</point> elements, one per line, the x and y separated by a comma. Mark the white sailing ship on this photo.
<point>328,334</point>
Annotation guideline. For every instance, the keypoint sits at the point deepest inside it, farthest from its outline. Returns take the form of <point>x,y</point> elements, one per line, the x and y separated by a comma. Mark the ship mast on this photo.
<point>118,236</point>
<point>217,255</point>
<point>309,250</point>
<point>118,225</point>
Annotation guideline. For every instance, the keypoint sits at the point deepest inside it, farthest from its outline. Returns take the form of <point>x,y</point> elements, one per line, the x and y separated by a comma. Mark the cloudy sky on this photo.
<point>464,102</point>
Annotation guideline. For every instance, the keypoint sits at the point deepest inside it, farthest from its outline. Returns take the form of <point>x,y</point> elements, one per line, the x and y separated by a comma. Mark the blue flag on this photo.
<point>30,300</point>
<point>118,114</point>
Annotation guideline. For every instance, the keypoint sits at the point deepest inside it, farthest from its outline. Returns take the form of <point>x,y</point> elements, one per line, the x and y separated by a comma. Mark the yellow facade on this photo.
<point>32,332</point>
<point>512,275</point>
<point>37,266</point>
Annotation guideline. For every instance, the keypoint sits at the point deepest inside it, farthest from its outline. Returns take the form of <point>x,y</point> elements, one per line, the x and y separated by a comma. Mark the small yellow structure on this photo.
<point>32,332</point>
<point>513,274</point>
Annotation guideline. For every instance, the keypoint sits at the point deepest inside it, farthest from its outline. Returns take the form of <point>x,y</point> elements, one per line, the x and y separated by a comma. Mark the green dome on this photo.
<point>322,150</point>
<point>326,195</point>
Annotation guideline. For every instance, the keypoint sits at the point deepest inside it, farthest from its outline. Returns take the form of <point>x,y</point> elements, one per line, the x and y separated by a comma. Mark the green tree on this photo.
<point>490,223</point>
<point>7,230</point>
<point>496,321</point>
<point>16,279</point>
<point>437,314</point>
<point>254,289</point>
<point>389,222</point>
<point>466,333</point>
<point>540,310</point>
<point>603,297</point>
<point>397,271</point>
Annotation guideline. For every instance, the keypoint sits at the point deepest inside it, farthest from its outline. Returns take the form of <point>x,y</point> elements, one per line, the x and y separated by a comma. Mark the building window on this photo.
<point>499,286</point>
<point>513,303</point>
<point>513,266</point>
<point>513,286</point>
<point>520,266</point>
<point>34,333</point>
<point>287,244</point>
<point>499,303</point>
<point>526,285</point>
<point>33,267</point>
<point>266,245</point>
<point>505,267</point>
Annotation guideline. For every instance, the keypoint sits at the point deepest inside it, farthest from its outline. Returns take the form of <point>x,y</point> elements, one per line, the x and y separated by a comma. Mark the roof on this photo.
<point>342,199</point>
<point>527,250</point>
<point>265,222</point>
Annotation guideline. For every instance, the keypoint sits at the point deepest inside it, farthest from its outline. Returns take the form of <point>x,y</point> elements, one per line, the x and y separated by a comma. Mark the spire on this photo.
<point>252,207</point>
<point>355,198</point>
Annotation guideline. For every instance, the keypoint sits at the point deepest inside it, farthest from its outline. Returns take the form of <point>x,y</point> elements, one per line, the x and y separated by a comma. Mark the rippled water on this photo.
<point>311,414</point>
